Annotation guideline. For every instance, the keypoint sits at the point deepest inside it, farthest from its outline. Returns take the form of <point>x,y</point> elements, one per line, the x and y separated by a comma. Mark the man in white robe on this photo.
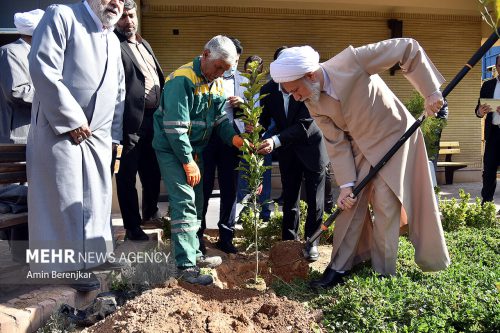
<point>76,67</point>
<point>361,119</point>
<point>16,88</point>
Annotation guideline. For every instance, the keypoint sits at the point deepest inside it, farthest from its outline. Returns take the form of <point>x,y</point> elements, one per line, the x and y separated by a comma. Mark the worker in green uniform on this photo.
<point>191,108</point>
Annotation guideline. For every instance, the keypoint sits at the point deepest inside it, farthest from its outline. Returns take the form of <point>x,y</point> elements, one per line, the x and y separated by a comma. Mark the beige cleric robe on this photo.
<point>369,119</point>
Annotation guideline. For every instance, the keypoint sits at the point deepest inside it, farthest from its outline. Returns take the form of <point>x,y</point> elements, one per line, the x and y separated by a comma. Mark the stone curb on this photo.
<point>16,316</point>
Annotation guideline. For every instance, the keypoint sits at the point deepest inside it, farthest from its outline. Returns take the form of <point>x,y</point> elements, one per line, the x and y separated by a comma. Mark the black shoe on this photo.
<point>279,200</point>
<point>136,234</point>
<point>226,247</point>
<point>330,279</point>
<point>311,254</point>
<point>148,219</point>
<point>208,262</point>
<point>193,275</point>
<point>86,284</point>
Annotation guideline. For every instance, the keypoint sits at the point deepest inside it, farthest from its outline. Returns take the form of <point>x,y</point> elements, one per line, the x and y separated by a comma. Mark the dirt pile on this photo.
<point>285,261</point>
<point>189,308</point>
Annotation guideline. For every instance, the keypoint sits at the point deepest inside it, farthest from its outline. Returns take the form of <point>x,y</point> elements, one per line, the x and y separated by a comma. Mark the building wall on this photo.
<point>450,40</point>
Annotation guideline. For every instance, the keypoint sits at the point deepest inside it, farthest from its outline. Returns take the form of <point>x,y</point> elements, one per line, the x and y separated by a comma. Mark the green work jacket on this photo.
<point>190,109</point>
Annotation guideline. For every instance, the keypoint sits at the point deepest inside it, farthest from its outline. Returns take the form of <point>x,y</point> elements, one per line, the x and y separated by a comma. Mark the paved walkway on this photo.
<point>451,191</point>
<point>447,191</point>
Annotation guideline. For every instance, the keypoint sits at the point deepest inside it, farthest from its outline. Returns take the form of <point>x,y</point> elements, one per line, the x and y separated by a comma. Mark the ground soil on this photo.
<point>284,262</point>
<point>188,308</point>
<point>226,306</point>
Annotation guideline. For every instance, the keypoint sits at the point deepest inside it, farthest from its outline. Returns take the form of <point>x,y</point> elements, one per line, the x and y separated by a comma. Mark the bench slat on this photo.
<point>456,164</point>
<point>449,144</point>
<point>13,156</point>
<point>449,151</point>
<point>9,167</point>
<point>13,177</point>
<point>12,147</point>
<point>11,172</point>
<point>9,220</point>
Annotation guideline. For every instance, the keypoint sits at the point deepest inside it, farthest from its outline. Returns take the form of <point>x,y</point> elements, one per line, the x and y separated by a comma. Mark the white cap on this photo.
<point>26,22</point>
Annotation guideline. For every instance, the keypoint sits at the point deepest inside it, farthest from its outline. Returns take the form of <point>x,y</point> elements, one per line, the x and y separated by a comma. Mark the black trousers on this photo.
<point>138,156</point>
<point>292,171</point>
<point>329,199</point>
<point>491,161</point>
<point>225,159</point>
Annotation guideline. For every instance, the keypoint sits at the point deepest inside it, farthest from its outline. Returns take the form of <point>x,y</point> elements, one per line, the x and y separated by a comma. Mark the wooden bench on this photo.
<point>448,149</point>
<point>12,170</point>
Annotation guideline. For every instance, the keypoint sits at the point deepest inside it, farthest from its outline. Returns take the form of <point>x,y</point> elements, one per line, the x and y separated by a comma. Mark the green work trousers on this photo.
<point>185,206</point>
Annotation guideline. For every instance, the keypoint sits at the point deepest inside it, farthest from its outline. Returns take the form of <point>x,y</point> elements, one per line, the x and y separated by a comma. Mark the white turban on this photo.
<point>26,22</point>
<point>293,63</point>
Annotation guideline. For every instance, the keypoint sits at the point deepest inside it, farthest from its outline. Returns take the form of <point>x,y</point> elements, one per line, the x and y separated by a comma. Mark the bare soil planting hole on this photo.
<point>226,306</point>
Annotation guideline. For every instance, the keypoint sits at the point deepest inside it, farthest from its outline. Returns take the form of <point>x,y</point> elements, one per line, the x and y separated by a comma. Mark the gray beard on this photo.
<point>315,88</point>
<point>100,12</point>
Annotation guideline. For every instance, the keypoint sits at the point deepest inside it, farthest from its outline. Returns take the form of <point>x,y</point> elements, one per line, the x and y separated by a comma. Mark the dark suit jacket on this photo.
<point>487,91</point>
<point>298,133</point>
<point>134,85</point>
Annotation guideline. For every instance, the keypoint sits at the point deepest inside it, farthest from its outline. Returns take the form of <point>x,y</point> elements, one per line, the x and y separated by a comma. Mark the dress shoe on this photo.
<point>136,234</point>
<point>192,275</point>
<point>155,221</point>
<point>210,262</point>
<point>226,247</point>
<point>86,284</point>
<point>329,279</point>
<point>311,254</point>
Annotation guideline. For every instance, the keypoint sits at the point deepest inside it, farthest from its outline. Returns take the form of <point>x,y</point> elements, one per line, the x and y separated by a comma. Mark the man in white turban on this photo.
<point>16,88</point>
<point>26,22</point>
<point>361,119</point>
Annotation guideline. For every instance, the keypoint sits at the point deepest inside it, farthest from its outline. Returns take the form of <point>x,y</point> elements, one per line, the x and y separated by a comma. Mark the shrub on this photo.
<point>270,232</point>
<point>431,126</point>
<point>454,211</point>
<point>481,216</point>
<point>459,213</point>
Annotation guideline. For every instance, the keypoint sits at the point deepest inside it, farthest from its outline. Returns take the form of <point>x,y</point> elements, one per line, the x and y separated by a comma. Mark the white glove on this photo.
<point>433,103</point>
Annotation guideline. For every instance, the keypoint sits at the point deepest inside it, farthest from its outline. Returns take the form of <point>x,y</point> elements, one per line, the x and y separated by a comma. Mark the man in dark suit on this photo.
<point>143,82</point>
<point>302,153</point>
<point>491,161</point>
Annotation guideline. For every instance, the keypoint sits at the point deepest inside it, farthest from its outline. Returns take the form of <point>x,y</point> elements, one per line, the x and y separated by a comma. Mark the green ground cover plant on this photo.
<point>463,298</point>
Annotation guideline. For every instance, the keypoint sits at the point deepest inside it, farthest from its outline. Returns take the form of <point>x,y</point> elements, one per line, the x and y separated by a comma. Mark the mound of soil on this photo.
<point>285,261</point>
<point>189,308</point>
